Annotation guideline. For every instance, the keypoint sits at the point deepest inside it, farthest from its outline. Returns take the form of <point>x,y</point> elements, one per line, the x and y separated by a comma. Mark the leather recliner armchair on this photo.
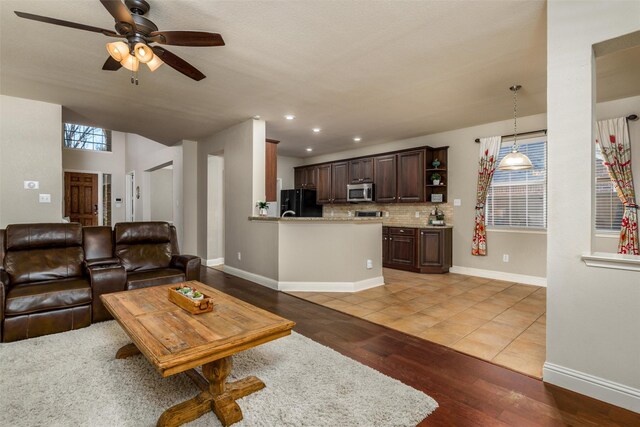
<point>43,286</point>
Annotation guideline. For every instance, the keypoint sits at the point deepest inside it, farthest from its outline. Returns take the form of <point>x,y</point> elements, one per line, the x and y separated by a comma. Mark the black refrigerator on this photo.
<point>301,201</point>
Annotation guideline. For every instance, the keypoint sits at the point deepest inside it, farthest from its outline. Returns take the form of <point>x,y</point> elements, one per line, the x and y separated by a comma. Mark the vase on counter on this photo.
<point>435,163</point>
<point>262,212</point>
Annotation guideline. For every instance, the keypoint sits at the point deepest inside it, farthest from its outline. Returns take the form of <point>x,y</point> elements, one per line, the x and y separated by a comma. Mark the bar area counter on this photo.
<point>319,253</point>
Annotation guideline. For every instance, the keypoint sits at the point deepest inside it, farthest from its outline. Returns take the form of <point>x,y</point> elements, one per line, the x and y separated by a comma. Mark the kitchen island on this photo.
<point>316,254</point>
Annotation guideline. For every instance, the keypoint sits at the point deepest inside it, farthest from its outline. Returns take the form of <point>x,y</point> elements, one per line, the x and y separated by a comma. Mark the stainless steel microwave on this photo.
<point>360,193</point>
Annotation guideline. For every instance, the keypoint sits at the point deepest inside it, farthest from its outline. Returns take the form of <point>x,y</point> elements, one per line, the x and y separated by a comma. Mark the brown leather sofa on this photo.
<point>52,275</point>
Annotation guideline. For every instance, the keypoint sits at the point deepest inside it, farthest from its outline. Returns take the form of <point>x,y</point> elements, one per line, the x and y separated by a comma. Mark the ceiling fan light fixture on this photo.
<point>131,63</point>
<point>143,53</point>
<point>154,63</point>
<point>118,50</point>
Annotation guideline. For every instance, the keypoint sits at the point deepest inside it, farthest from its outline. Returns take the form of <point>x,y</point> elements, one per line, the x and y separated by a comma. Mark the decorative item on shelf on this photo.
<point>190,299</point>
<point>515,161</point>
<point>435,178</point>
<point>436,216</point>
<point>263,207</point>
<point>437,198</point>
<point>435,163</point>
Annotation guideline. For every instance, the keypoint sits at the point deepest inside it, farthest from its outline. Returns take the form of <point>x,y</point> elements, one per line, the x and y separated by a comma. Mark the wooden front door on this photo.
<point>81,197</point>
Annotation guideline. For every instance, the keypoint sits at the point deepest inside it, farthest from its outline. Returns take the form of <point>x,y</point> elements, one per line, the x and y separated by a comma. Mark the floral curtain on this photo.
<point>613,137</point>
<point>489,148</point>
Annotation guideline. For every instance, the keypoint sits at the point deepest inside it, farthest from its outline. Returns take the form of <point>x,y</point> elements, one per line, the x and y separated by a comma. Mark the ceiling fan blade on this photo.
<point>69,24</point>
<point>119,11</point>
<point>187,38</point>
<point>111,65</point>
<point>178,63</point>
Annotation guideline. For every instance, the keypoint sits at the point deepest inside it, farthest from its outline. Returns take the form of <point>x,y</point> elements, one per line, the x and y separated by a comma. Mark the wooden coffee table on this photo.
<point>175,341</point>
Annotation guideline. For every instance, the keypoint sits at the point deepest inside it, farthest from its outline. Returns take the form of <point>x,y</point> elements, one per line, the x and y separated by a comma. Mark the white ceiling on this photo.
<point>382,70</point>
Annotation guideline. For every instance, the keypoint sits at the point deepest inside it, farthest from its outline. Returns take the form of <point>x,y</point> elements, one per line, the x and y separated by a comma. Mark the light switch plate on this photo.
<point>457,202</point>
<point>31,185</point>
<point>45,198</point>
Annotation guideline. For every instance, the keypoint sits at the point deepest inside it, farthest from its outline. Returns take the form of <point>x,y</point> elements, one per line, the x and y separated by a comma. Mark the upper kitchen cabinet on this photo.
<point>436,167</point>
<point>411,176</point>
<point>332,183</point>
<point>305,176</point>
<point>361,170</point>
<point>385,178</point>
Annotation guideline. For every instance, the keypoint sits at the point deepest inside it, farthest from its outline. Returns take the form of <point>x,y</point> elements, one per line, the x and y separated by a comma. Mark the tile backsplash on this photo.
<point>393,214</point>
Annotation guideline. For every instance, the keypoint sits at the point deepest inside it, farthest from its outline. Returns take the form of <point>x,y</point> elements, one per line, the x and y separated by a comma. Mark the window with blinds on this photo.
<point>518,199</point>
<point>609,208</point>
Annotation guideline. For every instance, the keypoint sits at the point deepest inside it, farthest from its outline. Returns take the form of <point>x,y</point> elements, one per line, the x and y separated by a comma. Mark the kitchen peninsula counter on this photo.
<point>355,220</point>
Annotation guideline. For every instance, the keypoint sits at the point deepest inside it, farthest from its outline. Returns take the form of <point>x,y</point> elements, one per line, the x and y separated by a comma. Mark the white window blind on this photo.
<point>518,199</point>
<point>609,208</point>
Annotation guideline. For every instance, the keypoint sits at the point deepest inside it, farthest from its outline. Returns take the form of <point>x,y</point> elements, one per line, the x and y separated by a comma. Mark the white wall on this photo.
<point>608,242</point>
<point>103,162</point>
<point>161,191</point>
<point>285,170</point>
<point>527,250</point>
<point>215,209</point>
<point>31,150</point>
<point>143,155</point>
<point>593,320</point>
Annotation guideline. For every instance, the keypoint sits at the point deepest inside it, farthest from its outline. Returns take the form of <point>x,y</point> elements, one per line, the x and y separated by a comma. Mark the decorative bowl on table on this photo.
<point>190,299</point>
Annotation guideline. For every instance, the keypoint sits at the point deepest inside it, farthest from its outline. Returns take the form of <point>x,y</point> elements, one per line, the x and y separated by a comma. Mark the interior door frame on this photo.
<point>130,203</point>
<point>100,183</point>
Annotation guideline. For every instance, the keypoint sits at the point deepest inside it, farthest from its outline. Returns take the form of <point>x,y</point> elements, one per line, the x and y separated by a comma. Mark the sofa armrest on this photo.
<point>104,279</point>
<point>4,285</point>
<point>190,264</point>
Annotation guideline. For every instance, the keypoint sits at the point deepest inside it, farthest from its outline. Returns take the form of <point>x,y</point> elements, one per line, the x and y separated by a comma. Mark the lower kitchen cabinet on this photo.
<point>423,250</point>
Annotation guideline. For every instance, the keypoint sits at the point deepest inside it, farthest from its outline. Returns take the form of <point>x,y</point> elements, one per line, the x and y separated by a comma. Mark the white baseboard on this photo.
<point>306,286</point>
<point>590,385</point>
<point>331,286</point>
<point>500,275</point>
<point>213,262</point>
<point>261,280</point>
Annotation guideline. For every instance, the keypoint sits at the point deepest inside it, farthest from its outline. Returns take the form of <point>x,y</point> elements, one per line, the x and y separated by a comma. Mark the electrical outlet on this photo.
<point>457,202</point>
<point>239,256</point>
<point>417,214</point>
<point>386,214</point>
<point>505,257</point>
<point>369,264</point>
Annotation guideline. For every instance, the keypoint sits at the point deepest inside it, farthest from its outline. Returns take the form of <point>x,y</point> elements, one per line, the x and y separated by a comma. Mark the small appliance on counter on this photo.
<point>374,214</point>
<point>360,193</point>
<point>299,203</point>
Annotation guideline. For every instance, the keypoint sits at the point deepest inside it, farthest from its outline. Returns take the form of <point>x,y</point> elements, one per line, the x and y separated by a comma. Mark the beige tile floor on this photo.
<point>501,322</point>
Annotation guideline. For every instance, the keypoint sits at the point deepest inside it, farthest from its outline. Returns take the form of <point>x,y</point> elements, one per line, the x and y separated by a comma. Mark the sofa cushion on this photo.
<point>33,236</point>
<point>49,295</point>
<point>43,264</point>
<point>143,245</point>
<point>162,276</point>
<point>135,233</point>
<point>97,242</point>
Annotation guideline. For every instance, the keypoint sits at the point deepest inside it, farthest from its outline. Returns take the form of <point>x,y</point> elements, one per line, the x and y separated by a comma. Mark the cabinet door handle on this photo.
<point>402,231</point>
<point>390,238</point>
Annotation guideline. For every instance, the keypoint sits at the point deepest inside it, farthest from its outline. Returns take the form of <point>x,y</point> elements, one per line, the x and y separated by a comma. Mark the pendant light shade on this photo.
<point>131,63</point>
<point>143,53</point>
<point>515,160</point>
<point>118,50</point>
<point>154,63</point>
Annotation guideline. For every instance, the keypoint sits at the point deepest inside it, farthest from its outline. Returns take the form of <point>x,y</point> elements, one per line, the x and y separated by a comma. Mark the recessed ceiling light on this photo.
<point>309,149</point>
<point>357,139</point>
<point>289,117</point>
<point>316,130</point>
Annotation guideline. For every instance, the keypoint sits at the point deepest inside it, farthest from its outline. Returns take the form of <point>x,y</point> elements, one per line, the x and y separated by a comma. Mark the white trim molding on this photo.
<point>590,385</point>
<point>213,262</point>
<point>306,286</point>
<point>610,260</point>
<point>500,275</point>
<point>331,286</point>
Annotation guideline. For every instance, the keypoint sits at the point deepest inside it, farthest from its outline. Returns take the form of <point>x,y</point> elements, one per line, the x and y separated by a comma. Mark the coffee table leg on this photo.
<point>220,397</point>
<point>127,351</point>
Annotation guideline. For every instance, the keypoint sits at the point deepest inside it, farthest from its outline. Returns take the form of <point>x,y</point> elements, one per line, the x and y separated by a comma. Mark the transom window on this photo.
<point>518,199</point>
<point>86,137</point>
<point>609,208</point>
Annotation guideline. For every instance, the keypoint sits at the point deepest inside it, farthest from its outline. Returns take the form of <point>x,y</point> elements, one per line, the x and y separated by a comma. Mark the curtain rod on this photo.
<point>633,117</point>
<point>521,134</point>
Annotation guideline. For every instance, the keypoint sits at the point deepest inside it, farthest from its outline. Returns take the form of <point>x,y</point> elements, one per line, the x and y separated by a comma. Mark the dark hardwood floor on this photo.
<point>470,391</point>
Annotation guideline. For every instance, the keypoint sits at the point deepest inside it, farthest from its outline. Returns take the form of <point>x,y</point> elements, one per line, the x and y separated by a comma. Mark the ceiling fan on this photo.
<point>140,33</point>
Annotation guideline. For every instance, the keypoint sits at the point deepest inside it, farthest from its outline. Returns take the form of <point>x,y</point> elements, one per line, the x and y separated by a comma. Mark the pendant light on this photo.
<point>515,160</point>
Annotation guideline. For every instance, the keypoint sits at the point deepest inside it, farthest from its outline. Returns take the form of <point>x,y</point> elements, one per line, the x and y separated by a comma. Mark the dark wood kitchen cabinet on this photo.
<point>385,172</point>
<point>423,250</point>
<point>305,176</point>
<point>411,177</point>
<point>332,183</point>
<point>361,170</point>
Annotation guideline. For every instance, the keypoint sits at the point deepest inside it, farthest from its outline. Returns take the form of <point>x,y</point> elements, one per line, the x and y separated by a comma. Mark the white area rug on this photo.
<point>73,379</point>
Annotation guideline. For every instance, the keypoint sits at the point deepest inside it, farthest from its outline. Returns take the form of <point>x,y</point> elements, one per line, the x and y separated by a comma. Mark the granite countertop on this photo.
<point>317,219</point>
